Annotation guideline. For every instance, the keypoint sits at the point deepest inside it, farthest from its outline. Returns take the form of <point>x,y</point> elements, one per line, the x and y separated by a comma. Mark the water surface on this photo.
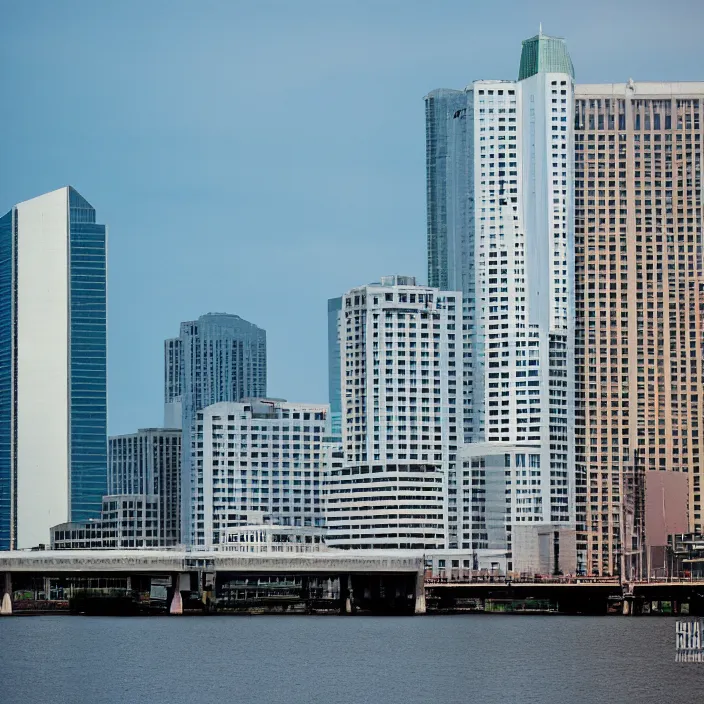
<point>345,660</point>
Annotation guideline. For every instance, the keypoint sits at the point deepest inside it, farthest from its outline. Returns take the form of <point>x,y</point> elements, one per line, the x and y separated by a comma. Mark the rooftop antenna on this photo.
<point>540,30</point>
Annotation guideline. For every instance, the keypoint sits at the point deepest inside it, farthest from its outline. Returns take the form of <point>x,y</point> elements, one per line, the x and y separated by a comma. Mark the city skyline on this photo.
<point>500,229</point>
<point>365,183</point>
<point>376,310</point>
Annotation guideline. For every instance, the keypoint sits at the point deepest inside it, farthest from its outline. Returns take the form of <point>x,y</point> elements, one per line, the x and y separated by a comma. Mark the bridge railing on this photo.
<point>523,579</point>
<point>668,580</point>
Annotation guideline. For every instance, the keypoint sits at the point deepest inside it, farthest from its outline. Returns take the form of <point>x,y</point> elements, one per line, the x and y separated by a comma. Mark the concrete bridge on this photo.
<point>328,581</point>
<point>643,597</point>
<point>502,594</point>
<point>573,595</point>
<point>351,581</point>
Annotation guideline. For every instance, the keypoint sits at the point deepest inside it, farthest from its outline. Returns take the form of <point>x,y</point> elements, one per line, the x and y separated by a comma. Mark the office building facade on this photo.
<point>257,455</point>
<point>127,521</point>
<point>53,398</point>
<point>173,361</point>
<point>218,357</point>
<point>400,382</point>
<point>639,305</point>
<point>148,463</point>
<point>334,311</point>
<point>500,158</point>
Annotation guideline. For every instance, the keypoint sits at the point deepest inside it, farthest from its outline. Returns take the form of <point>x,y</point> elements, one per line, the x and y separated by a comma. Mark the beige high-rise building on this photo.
<point>639,303</point>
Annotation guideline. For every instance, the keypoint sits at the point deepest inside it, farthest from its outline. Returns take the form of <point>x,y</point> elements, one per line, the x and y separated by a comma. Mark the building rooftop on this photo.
<point>544,54</point>
<point>641,88</point>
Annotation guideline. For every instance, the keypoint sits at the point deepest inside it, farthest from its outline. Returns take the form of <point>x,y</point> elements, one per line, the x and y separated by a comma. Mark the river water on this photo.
<point>345,660</point>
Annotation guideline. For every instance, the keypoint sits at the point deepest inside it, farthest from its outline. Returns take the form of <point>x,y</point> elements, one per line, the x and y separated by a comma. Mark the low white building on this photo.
<point>262,455</point>
<point>126,521</point>
<point>465,564</point>
<point>272,538</point>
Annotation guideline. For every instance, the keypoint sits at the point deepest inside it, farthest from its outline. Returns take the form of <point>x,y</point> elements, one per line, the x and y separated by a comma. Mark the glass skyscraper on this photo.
<point>449,172</point>
<point>334,311</point>
<point>219,357</point>
<point>53,378</point>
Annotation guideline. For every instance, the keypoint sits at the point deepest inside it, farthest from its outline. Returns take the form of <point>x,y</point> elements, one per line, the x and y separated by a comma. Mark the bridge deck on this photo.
<point>359,561</point>
<point>575,582</point>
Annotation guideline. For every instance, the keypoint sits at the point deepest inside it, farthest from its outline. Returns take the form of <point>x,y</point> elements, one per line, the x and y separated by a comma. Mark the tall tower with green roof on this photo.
<point>500,228</point>
<point>544,54</point>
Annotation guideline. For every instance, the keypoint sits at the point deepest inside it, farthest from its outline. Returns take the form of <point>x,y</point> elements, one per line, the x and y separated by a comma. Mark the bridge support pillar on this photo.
<point>420,593</point>
<point>346,594</point>
<point>349,602</point>
<point>182,582</point>
<point>176,608</point>
<point>6,604</point>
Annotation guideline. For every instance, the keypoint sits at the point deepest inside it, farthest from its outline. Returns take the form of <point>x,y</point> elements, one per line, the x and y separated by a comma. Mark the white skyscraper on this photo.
<point>400,360</point>
<point>500,161</point>
<point>53,406</point>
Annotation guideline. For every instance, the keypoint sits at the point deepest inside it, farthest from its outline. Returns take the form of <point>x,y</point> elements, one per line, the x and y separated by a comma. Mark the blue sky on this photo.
<point>260,157</point>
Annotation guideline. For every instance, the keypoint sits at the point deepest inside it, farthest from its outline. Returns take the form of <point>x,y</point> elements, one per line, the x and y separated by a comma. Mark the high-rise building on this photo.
<point>53,408</point>
<point>639,282</point>
<point>500,158</point>
<point>399,346</point>
<point>449,123</point>
<point>257,456</point>
<point>173,359</point>
<point>148,462</point>
<point>218,357</point>
<point>334,379</point>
